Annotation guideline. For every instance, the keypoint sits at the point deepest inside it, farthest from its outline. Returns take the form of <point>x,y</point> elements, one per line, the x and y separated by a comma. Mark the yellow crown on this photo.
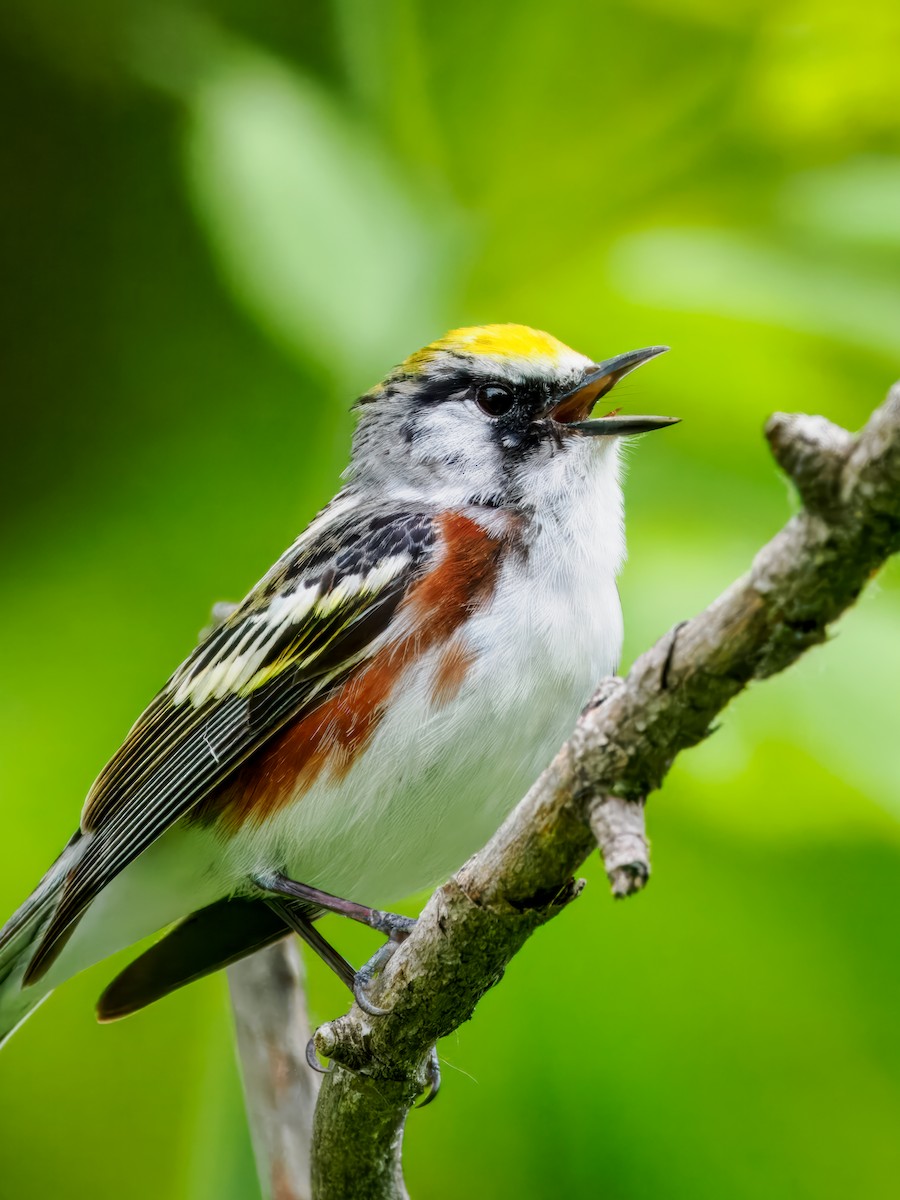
<point>492,341</point>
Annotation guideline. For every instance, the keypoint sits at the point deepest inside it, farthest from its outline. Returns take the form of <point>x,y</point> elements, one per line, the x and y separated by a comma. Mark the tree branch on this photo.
<point>269,1003</point>
<point>268,999</point>
<point>593,792</point>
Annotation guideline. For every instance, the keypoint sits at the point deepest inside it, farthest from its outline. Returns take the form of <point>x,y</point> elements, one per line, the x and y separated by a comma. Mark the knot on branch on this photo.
<point>813,452</point>
<point>348,1043</point>
<point>618,826</point>
<point>616,821</point>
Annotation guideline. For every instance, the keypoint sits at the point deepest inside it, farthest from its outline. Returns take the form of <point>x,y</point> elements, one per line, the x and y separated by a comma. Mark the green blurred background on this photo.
<point>221,222</point>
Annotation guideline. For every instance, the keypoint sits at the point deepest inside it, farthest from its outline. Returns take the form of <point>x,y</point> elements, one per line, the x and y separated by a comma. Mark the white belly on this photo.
<point>437,779</point>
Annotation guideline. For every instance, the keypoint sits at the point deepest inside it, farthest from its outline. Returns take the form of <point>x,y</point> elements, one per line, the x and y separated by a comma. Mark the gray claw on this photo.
<point>360,982</point>
<point>312,1058</point>
<point>367,973</point>
<point>433,1073</point>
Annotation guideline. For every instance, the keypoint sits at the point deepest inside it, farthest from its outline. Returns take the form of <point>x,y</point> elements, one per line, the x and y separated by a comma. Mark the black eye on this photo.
<point>494,399</point>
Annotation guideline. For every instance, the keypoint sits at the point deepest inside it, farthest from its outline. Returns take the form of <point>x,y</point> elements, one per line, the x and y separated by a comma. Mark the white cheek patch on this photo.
<point>577,501</point>
<point>456,442</point>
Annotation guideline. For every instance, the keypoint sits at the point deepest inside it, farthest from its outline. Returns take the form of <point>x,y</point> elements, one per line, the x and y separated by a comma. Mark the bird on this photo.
<point>364,720</point>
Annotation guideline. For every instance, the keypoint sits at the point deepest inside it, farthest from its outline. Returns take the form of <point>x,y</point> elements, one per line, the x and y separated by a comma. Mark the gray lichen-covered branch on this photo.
<point>593,793</point>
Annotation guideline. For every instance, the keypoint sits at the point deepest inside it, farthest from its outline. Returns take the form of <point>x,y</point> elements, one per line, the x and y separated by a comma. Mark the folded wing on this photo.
<point>322,610</point>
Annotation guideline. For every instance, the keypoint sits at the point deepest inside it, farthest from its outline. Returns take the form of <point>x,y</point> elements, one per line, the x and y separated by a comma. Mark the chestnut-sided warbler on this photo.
<point>365,718</point>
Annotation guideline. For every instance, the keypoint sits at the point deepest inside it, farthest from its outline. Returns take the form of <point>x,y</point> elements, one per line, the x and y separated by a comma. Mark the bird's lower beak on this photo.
<point>574,407</point>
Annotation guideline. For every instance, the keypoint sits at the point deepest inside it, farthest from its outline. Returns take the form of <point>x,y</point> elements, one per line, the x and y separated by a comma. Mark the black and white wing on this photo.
<point>323,608</point>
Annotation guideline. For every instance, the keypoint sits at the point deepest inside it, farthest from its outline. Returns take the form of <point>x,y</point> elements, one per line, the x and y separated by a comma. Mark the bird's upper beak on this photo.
<point>574,407</point>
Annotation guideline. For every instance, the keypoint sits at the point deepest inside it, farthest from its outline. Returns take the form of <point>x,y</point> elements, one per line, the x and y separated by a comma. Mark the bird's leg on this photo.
<point>396,928</point>
<point>304,928</point>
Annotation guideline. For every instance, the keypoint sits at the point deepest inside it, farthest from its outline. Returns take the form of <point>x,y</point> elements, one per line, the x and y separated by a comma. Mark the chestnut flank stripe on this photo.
<point>329,739</point>
<point>452,668</point>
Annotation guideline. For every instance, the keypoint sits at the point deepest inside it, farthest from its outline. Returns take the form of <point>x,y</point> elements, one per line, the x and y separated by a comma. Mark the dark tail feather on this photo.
<point>204,942</point>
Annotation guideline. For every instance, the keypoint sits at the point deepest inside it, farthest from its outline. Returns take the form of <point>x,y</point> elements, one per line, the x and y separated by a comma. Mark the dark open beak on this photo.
<point>575,407</point>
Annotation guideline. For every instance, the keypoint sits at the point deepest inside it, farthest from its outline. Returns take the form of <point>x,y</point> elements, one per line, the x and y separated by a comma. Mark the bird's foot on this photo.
<point>395,928</point>
<point>398,930</point>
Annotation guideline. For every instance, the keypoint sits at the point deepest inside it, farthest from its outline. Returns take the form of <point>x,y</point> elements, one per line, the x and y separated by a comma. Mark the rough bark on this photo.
<point>269,1002</point>
<point>593,793</point>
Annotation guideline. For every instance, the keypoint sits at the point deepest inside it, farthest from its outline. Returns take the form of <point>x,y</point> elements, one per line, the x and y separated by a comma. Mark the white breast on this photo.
<point>437,779</point>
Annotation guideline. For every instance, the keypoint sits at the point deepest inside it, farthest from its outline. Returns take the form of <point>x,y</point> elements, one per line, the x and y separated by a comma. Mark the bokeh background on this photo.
<point>219,223</point>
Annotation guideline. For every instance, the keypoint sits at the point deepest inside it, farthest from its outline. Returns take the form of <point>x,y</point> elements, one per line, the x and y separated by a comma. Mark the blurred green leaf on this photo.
<point>717,271</point>
<point>858,200</point>
<point>316,231</point>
